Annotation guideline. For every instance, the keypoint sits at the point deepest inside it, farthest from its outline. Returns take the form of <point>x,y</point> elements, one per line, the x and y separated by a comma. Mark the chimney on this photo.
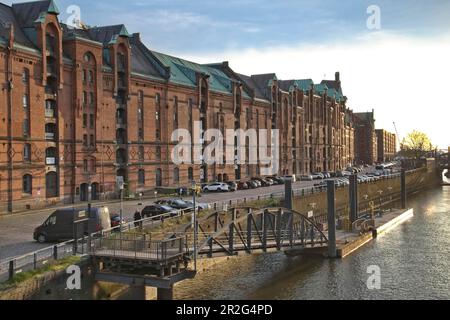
<point>137,35</point>
<point>337,77</point>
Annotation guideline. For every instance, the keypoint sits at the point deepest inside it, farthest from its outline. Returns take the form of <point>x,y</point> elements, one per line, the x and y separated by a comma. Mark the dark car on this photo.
<point>60,225</point>
<point>156,210</point>
<point>242,185</point>
<point>232,186</point>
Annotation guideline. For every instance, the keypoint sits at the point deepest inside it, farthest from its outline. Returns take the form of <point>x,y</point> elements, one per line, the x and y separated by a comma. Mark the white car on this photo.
<point>216,186</point>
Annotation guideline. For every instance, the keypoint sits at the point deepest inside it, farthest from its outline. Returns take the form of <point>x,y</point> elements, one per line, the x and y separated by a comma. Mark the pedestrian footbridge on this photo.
<point>161,259</point>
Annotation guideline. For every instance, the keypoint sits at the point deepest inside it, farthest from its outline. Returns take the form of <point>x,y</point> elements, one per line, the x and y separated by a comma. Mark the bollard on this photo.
<point>353,198</point>
<point>11,269</point>
<point>331,217</point>
<point>288,194</point>
<point>403,188</point>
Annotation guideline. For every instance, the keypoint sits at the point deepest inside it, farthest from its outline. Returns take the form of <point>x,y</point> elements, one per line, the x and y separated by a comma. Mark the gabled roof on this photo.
<point>233,76</point>
<point>142,62</point>
<point>28,13</point>
<point>334,84</point>
<point>253,86</point>
<point>108,34</point>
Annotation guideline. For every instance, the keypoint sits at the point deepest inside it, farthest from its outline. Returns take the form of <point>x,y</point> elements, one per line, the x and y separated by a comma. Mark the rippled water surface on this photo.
<point>414,259</point>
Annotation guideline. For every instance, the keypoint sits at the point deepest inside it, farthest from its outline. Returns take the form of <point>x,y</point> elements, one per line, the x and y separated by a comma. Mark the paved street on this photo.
<point>16,231</point>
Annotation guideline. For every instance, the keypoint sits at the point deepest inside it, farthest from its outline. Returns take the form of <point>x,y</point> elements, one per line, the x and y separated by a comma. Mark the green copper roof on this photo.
<point>185,72</point>
<point>320,88</point>
<point>124,32</point>
<point>52,8</point>
<point>304,84</point>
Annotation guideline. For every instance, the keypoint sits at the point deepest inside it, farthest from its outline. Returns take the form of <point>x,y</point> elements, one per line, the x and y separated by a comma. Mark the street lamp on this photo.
<point>156,196</point>
<point>380,192</point>
<point>194,221</point>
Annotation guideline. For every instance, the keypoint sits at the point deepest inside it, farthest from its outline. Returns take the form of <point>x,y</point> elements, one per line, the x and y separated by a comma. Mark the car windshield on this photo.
<point>166,208</point>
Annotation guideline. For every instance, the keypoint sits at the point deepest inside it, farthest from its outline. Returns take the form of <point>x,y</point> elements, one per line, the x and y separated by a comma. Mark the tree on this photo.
<point>416,145</point>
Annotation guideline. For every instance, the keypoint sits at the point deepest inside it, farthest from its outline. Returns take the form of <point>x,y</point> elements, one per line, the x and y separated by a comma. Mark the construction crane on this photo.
<point>398,137</point>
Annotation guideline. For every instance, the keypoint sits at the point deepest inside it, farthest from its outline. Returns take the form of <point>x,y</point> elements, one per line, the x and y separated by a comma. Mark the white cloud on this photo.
<point>404,79</point>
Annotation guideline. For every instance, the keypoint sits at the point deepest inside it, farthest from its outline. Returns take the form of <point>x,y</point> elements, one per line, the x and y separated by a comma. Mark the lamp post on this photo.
<point>194,221</point>
<point>366,197</point>
<point>380,192</point>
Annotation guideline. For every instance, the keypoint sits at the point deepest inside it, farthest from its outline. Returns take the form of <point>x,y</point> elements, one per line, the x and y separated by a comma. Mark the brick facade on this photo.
<point>80,107</point>
<point>387,145</point>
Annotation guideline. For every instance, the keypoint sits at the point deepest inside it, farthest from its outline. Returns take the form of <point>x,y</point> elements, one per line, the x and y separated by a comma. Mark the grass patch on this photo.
<point>54,266</point>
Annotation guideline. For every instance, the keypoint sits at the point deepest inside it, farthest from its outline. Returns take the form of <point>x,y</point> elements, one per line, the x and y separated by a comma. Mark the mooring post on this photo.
<point>403,188</point>
<point>353,198</point>
<point>165,294</point>
<point>288,194</point>
<point>331,220</point>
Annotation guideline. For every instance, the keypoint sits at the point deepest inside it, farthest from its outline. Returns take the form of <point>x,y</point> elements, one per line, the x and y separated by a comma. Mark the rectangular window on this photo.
<point>91,98</point>
<point>27,152</point>
<point>85,165</point>
<point>84,98</point>
<point>25,101</point>
<point>26,127</point>
<point>91,121</point>
<point>92,141</point>
<point>84,120</point>
<point>85,142</point>
<point>84,76</point>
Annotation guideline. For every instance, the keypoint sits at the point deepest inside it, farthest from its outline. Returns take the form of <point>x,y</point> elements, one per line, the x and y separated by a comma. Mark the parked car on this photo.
<point>200,205</point>
<point>178,204</point>
<point>293,177</point>
<point>256,183</point>
<point>307,177</point>
<point>252,184</point>
<point>317,176</point>
<point>277,179</point>
<point>263,183</point>
<point>243,185</point>
<point>115,220</point>
<point>269,181</point>
<point>232,186</point>
<point>157,210</point>
<point>216,186</point>
<point>60,224</point>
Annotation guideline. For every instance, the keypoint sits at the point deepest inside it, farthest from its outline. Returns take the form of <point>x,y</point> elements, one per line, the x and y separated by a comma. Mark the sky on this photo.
<point>400,70</point>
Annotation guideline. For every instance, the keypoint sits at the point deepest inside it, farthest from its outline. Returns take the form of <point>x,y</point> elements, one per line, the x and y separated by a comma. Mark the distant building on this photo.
<point>387,145</point>
<point>366,151</point>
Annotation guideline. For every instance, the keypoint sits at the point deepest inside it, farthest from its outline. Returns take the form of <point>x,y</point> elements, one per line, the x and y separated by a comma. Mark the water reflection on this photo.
<point>414,260</point>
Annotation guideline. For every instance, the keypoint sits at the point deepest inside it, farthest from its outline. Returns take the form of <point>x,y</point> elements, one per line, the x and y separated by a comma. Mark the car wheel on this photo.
<point>219,190</point>
<point>41,238</point>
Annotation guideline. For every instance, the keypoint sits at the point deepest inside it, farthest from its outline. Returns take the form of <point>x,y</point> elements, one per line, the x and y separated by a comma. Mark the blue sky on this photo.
<point>193,26</point>
<point>400,71</point>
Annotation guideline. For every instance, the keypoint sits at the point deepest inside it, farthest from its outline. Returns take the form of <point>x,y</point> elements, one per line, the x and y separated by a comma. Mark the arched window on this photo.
<point>141,176</point>
<point>27,184</point>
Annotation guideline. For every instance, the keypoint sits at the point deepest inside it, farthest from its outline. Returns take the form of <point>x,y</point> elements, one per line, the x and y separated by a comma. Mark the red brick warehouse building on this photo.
<point>81,107</point>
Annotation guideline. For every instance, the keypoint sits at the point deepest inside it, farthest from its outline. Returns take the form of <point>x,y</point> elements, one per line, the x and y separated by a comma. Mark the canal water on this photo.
<point>413,259</point>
